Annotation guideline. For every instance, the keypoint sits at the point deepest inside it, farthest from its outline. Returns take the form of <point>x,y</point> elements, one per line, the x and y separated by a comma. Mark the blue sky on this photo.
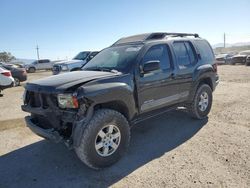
<point>62,28</point>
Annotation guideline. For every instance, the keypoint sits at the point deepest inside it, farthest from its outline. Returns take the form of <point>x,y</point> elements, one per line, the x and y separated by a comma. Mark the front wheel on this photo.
<point>104,140</point>
<point>31,70</point>
<point>202,102</point>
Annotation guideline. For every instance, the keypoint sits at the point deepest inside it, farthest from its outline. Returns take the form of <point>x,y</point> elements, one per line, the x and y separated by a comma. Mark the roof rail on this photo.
<point>163,35</point>
<point>151,36</point>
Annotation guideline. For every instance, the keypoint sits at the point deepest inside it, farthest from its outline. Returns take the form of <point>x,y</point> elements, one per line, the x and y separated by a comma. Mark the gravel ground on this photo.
<point>171,150</point>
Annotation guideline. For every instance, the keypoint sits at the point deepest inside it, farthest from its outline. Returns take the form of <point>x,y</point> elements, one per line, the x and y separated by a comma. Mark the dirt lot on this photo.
<point>169,151</point>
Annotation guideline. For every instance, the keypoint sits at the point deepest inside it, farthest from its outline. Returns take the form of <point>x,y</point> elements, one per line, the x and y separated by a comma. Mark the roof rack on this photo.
<point>163,35</point>
<point>151,36</point>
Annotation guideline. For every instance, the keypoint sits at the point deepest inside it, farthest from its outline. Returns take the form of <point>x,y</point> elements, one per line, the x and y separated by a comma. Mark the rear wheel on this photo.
<point>202,102</point>
<point>104,140</point>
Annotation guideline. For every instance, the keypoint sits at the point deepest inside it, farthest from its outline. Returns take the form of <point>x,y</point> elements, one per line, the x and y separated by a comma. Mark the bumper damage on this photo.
<point>50,134</point>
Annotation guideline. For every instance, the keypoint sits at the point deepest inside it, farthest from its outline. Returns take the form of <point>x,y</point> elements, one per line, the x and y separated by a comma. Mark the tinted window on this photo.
<point>44,61</point>
<point>81,56</point>
<point>181,54</point>
<point>190,51</point>
<point>158,53</point>
<point>205,51</point>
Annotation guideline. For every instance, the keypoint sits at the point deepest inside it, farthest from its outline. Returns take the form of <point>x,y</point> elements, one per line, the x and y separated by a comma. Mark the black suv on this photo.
<point>136,78</point>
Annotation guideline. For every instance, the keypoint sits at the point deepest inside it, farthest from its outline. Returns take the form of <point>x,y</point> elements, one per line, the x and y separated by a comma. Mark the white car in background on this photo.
<point>6,79</point>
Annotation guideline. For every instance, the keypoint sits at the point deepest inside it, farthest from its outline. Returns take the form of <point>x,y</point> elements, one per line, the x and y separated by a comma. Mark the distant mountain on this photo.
<point>231,45</point>
<point>232,49</point>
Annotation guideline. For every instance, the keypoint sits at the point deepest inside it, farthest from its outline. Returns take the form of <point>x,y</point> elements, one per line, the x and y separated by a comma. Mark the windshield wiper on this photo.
<point>104,69</point>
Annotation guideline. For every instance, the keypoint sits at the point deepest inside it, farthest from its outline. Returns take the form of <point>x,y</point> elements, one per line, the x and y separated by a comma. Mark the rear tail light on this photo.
<point>215,67</point>
<point>8,74</point>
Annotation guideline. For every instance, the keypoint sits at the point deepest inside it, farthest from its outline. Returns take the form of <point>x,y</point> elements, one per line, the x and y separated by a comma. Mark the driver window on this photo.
<point>158,53</point>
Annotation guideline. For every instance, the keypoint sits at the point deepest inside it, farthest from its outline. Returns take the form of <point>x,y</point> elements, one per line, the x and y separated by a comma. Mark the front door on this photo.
<point>157,89</point>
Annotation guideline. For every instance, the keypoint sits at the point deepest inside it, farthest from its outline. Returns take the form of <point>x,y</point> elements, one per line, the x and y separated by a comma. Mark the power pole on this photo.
<point>224,40</point>
<point>37,52</point>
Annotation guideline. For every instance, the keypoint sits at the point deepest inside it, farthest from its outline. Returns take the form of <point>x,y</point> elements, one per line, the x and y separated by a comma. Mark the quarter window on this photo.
<point>205,51</point>
<point>184,54</point>
<point>190,51</point>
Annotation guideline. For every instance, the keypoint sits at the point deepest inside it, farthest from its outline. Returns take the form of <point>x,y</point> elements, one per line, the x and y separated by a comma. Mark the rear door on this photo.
<point>186,58</point>
<point>157,89</point>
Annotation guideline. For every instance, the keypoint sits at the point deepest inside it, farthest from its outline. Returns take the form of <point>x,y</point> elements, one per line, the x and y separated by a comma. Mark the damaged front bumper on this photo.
<point>50,134</point>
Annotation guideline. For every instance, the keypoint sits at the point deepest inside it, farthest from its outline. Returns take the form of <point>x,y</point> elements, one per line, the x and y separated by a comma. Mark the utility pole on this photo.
<point>224,40</point>
<point>37,52</point>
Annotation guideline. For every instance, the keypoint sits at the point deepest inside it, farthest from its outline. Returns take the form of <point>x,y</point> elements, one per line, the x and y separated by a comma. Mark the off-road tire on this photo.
<point>31,70</point>
<point>86,150</point>
<point>193,108</point>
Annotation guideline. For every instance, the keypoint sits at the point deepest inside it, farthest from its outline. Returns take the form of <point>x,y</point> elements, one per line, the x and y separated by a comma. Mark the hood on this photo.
<point>62,82</point>
<point>69,62</point>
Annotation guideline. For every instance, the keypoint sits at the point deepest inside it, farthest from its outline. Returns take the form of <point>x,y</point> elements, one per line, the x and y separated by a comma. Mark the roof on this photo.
<point>141,38</point>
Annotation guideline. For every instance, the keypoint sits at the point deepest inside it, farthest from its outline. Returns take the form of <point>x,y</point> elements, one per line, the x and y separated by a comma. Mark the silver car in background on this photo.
<point>41,64</point>
<point>75,64</point>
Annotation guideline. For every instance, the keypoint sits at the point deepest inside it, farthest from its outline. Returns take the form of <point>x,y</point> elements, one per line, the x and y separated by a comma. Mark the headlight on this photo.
<point>67,101</point>
<point>64,67</point>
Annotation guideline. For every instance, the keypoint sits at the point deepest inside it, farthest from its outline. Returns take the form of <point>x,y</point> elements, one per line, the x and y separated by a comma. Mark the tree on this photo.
<point>6,57</point>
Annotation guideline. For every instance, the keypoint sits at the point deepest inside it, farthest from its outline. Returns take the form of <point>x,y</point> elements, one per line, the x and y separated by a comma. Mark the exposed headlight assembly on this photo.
<point>67,101</point>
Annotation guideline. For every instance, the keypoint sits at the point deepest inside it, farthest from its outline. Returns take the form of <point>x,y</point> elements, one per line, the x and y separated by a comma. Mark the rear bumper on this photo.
<point>49,134</point>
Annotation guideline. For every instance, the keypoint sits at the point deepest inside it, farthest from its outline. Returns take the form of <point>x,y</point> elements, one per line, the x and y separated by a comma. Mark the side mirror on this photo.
<point>150,66</point>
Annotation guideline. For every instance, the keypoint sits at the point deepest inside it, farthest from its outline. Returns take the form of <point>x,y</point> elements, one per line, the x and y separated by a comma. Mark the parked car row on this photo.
<point>6,79</point>
<point>11,75</point>
<point>58,67</point>
<point>19,74</point>
<point>241,58</point>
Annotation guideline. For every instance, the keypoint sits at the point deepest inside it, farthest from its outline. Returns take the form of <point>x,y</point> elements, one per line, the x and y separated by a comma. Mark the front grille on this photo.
<point>56,68</point>
<point>35,99</point>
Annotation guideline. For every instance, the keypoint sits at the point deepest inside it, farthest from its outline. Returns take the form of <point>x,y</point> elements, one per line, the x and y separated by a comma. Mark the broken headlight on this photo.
<point>67,101</point>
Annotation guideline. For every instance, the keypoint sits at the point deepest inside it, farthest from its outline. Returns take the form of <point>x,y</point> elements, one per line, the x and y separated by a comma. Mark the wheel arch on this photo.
<point>116,105</point>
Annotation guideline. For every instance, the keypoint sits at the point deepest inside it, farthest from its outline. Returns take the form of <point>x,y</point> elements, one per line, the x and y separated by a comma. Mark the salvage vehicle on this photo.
<point>239,58</point>
<point>136,78</point>
<point>75,64</point>
<point>223,59</point>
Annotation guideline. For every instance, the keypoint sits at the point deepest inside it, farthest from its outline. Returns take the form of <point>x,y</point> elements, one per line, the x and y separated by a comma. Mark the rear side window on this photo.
<point>205,51</point>
<point>184,54</point>
<point>190,51</point>
<point>159,53</point>
<point>44,61</point>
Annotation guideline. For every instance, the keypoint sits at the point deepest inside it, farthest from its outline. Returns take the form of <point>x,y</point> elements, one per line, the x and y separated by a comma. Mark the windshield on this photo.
<point>81,56</point>
<point>114,58</point>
